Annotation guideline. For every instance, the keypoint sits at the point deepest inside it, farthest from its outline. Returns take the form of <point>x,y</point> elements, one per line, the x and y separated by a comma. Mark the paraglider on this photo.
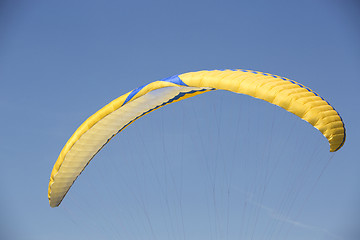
<point>101,127</point>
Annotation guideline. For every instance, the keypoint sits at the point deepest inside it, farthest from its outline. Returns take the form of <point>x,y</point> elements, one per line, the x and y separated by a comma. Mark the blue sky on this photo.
<point>62,61</point>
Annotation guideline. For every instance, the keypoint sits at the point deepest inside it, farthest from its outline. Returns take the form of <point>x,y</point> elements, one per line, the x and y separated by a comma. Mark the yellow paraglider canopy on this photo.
<point>98,129</point>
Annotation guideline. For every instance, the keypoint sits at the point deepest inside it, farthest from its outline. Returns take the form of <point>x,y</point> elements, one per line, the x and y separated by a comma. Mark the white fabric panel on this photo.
<point>92,140</point>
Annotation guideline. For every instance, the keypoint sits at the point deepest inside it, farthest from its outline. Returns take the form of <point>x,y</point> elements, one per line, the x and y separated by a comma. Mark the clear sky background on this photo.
<point>60,61</point>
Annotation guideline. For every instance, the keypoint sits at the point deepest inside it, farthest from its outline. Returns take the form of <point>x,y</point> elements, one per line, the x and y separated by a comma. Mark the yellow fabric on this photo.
<point>98,129</point>
<point>291,96</point>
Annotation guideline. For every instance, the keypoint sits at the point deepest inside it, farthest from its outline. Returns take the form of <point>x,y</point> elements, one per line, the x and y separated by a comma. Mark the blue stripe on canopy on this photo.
<point>175,79</point>
<point>132,94</point>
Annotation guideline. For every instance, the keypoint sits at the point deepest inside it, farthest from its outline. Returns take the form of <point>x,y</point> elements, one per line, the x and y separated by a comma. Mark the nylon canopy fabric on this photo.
<point>101,127</point>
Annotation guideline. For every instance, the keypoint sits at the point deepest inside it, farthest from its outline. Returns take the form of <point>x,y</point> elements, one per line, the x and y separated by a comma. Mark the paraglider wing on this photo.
<point>98,129</point>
